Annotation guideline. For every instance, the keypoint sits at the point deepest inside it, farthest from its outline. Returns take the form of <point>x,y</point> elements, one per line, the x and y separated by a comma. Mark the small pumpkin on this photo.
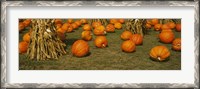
<point>118,25</point>
<point>110,28</point>
<point>65,26</point>
<point>70,29</point>
<point>128,46</point>
<point>23,46</point>
<point>137,38</point>
<point>86,35</point>
<point>157,27</point>
<point>61,30</point>
<point>101,41</point>
<point>148,26</point>
<point>27,22</point>
<point>74,25</point>
<point>176,44</point>
<point>159,53</point>
<point>83,21</point>
<point>96,24</point>
<point>166,37</point>
<point>58,26</point>
<point>87,27</point>
<point>21,26</point>
<point>171,25</point>
<point>113,21</point>
<point>78,23</point>
<point>100,30</point>
<point>80,48</point>
<point>126,35</point>
<point>58,21</point>
<point>164,26</point>
<point>178,27</point>
<point>27,37</point>
<point>122,21</point>
<point>154,21</point>
<point>148,21</point>
<point>70,21</point>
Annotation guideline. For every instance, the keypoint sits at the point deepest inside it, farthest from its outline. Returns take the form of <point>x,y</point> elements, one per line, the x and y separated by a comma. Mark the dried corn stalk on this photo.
<point>136,26</point>
<point>44,43</point>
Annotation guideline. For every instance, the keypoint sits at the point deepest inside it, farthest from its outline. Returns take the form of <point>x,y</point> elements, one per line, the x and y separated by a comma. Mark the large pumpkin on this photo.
<point>159,53</point>
<point>87,27</point>
<point>26,37</point>
<point>176,44</point>
<point>23,46</point>
<point>137,38</point>
<point>128,46</point>
<point>86,35</point>
<point>96,24</point>
<point>166,37</point>
<point>110,28</point>
<point>126,35</point>
<point>80,48</point>
<point>101,41</point>
<point>100,30</point>
<point>178,27</point>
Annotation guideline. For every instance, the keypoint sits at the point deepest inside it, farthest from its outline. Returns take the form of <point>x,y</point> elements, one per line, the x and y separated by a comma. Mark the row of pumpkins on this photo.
<point>80,48</point>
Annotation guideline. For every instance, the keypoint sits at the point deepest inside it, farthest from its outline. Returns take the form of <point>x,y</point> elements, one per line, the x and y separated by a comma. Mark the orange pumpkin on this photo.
<point>121,21</point>
<point>167,30</point>
<point>86,35</point>
<point>110,28</point>
<point>83,21</point>
<point>126,35</point>
<point>164,26</point>
<point>78,22</point>
<point>159,53</point>
<point>21,26</point>
<point>128,46</point>
<point>61,30</point>
<point>27,22</point>
<point>100,30</point>
<point>101,41</point>
<point>178,27</point>
<point>176,44</point>
<point>148,26</point>
<point>70,21</point>
<point>61,36</point>
<point>171,25</point>
<point>166,37</point>
<point>154,21</point>
<point>118,25</point>
<point>58,26</point>
<point>148,21</point>
<point>58,21</point>
<point>96,24</point>
<point>74,25</point>
<point>65,26</point>
<point>26,37</point>
<point>87,27</point>
<point>137,38</point>
<point>157,27</point>
<point>113,21</point>
<point>70,29</point>
<point>23,46</point>
<point>80,48</point>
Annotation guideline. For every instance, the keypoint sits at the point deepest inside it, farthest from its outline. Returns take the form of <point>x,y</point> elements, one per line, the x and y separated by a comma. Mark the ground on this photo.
<point>109,58</point>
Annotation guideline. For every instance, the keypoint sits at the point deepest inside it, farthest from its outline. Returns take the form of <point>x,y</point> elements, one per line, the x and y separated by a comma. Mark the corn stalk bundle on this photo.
<point>44,43</point>
<point>136,26</point>
<point>103,21</point>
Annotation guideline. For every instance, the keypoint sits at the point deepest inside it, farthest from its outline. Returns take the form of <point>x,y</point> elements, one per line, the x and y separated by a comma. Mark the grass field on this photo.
<point>109,58</point>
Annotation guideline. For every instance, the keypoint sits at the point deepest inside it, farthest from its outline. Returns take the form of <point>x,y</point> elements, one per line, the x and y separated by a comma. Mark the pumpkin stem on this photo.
<point>103,45</point>
<point>159,58</point>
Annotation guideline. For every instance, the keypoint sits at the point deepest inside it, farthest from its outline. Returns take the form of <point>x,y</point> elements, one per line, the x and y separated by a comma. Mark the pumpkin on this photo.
<point>101,41</point>
<point>86,35</point>
<point>121,21</point>
<point>148,26</point>
<point>159,53</point>
<point>154,21</point>
<point>87,27</point>
<point>148,21</point>
<point>74,25</point>
<point>137,38</point>
<point>113,21</point>
<point>166,30</point>
<point>21,26</point>
<point>58,26</point>
<point>157,27</point>
<point>61,36</point>
<point>78,23</point>
<point>61,30</point>
<point>176,44</point>
<point>178,27</point>
<point>118,25</point>
<point>65,26</point>
<point>110,28</point>
<point>70,29</point>
<point>83,21</point>
<point>58,21</point>
<point>23,46</point>
<point>126,35</point>
<point>27,22</point>
<point>26,37</point>
<point>100,30</point>
<point>96,24</point>
<point>166,37</point>
<point>128,46</point>
<point>171,25</point>
<point>70,21</point>
<point>80,48</point>
<point>164,26</point>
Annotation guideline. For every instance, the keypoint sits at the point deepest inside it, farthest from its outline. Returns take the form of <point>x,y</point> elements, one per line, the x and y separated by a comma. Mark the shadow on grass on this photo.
<point>166,60</point>
<point>70,41</point>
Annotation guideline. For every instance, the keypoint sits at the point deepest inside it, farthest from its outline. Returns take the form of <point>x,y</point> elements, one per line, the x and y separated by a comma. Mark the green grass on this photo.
<point>109,58</point>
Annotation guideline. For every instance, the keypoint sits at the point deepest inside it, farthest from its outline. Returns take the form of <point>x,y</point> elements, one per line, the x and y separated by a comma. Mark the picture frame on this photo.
<point>4,38</point>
